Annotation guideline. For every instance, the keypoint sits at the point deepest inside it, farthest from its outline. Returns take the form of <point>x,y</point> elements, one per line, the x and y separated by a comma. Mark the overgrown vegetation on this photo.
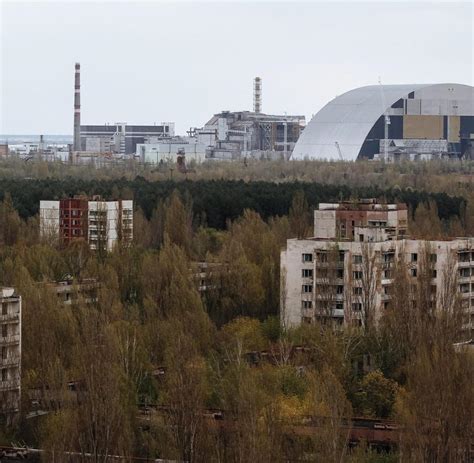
<point>151,356</point>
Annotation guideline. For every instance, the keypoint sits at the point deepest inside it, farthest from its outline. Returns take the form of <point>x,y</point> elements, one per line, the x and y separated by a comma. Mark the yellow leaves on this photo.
<point>244,331</point>
<point>292,408</point>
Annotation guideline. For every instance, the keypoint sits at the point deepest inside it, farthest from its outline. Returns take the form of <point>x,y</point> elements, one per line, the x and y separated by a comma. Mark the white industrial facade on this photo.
<point>167,151</point>
<point>341,128</point>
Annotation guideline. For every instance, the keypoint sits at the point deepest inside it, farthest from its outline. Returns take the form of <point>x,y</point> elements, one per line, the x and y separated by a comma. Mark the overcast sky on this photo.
<point>182,62</point>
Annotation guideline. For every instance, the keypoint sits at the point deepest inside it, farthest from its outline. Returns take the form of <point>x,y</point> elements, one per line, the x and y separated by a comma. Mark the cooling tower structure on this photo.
<point>257,95</point>
<point>77,109</point>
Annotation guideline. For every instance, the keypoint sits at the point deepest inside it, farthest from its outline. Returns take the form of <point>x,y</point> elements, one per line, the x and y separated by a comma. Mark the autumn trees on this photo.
<point>146,366</point>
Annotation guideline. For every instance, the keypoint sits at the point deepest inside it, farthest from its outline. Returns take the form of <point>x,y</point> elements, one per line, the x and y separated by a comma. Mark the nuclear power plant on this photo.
<point>377,122</point>
<point>228,135</point>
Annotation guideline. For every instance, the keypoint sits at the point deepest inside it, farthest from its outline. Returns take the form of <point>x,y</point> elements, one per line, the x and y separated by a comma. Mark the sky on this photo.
<point>182,62</point>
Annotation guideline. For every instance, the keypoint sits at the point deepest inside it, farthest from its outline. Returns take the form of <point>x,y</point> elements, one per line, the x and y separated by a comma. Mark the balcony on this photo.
<point>12,339</point>
<point>9,384</point>
<point>338,313</point>
<point>309,313</point>
<point>10,317</point>
<point>10,360</point>
<point>465,263</point>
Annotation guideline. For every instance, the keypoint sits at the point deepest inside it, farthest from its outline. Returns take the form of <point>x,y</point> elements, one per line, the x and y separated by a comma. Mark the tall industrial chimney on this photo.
<point>77,109</point>
<point>257,95</point>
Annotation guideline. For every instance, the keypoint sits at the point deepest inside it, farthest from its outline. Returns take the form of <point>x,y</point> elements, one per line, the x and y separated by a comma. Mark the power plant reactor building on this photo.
<point>419,121</point>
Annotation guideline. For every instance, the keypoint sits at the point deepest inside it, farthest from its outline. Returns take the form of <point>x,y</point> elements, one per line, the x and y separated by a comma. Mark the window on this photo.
<point>4,352</point>
<point>339,289</point>
<point>387,274</point>
<point>307,288</point>
<point>357,291</point>
<point>357,275</point>
<point>434,274</point>
<point>356,306</point>
<point>307,304</point>
<point>414,257</point>
<point>433,258</point>
<point>340,273</point>
<point>464,272</point>
<point>413,272</point>
<point>464,288</point>
<point>307,273</point>
<point>357,259</point>
<point>307,257</point>
<point>4,374</point>
<point>4,331</point>
<point>4,308</point>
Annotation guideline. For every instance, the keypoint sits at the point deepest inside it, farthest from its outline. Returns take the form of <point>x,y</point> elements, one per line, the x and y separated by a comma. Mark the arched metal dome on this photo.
<point>347,120</point>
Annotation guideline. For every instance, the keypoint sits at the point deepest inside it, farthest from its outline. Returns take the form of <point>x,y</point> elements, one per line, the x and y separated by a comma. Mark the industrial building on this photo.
<point>344,274</point>
<point>168,150</point>
<point>111,139</point>
<point>232,135</point>
<point>103,224</point>
<point>392,122</point>
<point>10,355</point>
<point>121,138</point>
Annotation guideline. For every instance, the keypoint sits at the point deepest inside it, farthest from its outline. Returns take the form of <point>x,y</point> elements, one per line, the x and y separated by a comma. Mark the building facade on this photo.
<point>10,355</point>
<point>168,150</point>
<point>234,135</point>
<point>122,138</point>
<point>101,223</point>
<point>345,273</point>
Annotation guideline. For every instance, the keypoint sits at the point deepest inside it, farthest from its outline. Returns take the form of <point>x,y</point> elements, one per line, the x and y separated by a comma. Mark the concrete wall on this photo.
<point>49,219</point>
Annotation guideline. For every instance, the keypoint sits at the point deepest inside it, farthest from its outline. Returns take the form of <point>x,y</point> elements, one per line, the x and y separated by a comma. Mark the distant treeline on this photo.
<point>215,201</point>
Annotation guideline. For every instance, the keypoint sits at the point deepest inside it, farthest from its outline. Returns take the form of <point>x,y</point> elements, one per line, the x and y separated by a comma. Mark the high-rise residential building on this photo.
<point>345,273</point>
<point>101,223</point>
<point>10,354</point>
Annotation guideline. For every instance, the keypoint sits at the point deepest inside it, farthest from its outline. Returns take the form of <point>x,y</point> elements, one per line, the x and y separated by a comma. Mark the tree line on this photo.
<point>214,202</point>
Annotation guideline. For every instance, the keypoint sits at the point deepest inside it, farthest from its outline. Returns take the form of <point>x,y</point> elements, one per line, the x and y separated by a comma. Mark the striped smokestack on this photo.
<point>77,109</point>
<point>257,95</point>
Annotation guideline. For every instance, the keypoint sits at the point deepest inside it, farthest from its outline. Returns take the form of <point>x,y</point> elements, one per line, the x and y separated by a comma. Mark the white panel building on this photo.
<point>10,354</point>
<point>329,277</point>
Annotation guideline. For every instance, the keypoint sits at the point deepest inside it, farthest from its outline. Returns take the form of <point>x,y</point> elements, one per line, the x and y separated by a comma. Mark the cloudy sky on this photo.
<point>177,61</point>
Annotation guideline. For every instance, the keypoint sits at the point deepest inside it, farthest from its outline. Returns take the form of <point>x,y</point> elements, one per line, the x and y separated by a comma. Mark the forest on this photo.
<point>153,365</point>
